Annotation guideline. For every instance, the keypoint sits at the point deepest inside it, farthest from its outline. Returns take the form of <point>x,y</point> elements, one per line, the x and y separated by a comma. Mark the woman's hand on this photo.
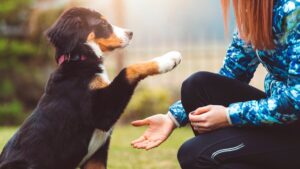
<point>208,118</point>
<point>159,129</point>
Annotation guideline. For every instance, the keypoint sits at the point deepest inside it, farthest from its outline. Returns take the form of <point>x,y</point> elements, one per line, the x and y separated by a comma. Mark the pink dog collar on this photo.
<point>64,58</point>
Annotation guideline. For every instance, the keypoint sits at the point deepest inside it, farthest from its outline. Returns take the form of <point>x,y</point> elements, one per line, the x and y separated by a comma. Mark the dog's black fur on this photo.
<point>57,134</point>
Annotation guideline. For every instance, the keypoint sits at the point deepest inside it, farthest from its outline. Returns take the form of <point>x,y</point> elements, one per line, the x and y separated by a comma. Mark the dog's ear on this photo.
<point>66,33</point>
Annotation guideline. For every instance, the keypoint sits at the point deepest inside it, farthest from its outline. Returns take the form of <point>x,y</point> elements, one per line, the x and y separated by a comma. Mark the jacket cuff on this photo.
<point>228,117</point>
<point>235,115</point>
<point>173,119</point>
<point>179,113</point>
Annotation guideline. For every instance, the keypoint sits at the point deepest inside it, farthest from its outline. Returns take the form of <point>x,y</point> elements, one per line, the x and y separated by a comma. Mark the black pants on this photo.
<point>276,147</point>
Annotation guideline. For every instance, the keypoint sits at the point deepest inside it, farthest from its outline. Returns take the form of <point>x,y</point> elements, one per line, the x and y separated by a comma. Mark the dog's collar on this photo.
<point>68,58</point>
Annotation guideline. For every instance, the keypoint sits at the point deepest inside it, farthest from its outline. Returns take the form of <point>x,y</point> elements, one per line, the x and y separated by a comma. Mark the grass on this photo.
<point>121,155</point>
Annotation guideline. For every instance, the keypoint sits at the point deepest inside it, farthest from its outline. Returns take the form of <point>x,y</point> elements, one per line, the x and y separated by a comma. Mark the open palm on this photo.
<point>159,129</point>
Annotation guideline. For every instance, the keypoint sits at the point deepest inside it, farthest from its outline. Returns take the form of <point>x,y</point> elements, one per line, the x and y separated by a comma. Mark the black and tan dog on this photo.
<point>72,123</point>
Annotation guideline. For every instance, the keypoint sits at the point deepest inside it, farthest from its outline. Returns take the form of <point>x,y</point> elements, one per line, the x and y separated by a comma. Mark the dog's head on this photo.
<point>79,27</point>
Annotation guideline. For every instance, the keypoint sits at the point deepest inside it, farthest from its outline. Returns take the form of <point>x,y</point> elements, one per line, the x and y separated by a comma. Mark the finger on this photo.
<point>153,144</point>
<point>137,145</point>
<point>142,145</point>
<point>138,123</point>
<point>202,110</point>
<point>140,139</point>
<point>196,118</point>
<point>200,124</point>
<point>195,124</point>
<point>196,128</point>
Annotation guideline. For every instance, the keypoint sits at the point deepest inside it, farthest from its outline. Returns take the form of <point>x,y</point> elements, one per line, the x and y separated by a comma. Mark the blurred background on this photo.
<point>193,27</point>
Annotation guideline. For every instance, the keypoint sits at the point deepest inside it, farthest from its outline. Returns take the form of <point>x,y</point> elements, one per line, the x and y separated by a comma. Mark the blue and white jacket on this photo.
<point>282,83</point>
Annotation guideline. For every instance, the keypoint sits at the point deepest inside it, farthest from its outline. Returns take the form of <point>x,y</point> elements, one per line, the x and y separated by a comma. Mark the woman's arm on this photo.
<point>282,108</point>
<point>240,62</point>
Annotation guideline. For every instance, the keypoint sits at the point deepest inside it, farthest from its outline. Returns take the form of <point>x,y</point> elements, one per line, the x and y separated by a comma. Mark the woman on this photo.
<point>238,126</point>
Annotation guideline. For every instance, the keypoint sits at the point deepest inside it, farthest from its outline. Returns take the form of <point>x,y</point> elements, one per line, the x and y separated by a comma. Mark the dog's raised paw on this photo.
<point>168,61</point>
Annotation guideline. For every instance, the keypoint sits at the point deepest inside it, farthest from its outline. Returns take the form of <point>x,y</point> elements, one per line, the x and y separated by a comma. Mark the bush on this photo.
<point>146,102</point>
<point>24,57</point>
<point>11,113</point>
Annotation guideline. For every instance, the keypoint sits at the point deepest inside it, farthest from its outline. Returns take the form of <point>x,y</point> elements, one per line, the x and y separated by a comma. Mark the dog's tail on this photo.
<point>14,165</point>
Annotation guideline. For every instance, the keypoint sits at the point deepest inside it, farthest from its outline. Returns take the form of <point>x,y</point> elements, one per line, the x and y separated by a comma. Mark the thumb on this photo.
<point>138,123</point>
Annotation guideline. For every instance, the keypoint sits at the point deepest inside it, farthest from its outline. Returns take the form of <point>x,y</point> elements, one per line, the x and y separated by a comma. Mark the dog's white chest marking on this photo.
<point>99,137</point>
<point>103,75</point>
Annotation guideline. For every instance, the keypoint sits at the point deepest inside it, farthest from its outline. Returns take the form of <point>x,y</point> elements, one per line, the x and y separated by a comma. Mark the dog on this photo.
<point>72,123</point>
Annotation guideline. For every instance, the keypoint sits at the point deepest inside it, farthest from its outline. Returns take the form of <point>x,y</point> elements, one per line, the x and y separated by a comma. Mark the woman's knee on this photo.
<point>196,80</point>
<point>184,155</point>
<point>193,90</point>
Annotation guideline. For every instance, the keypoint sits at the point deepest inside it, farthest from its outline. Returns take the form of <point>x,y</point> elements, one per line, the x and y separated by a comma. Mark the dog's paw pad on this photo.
<point>168,61</point>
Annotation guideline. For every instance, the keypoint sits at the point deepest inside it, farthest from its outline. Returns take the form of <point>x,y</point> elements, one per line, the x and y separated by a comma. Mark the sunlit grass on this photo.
<point>122,155</point>
<point>5,135</point>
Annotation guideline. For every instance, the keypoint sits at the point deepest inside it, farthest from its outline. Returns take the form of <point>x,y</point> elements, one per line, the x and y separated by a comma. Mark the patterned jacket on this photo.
<point>282,83</point>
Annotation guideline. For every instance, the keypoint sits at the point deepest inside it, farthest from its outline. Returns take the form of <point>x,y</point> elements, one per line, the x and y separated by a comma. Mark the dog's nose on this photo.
<point>129,34</point>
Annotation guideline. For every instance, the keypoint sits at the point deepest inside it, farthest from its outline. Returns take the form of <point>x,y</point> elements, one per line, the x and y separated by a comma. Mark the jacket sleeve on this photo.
<point>240,61</point>
<point>178,114</point>
<point>284,107</point>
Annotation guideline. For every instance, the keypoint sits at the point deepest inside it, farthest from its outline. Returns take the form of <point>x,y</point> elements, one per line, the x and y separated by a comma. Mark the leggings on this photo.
<point>274,147</point>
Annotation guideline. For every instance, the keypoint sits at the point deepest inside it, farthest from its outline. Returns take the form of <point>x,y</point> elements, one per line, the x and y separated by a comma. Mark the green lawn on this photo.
<point>121,155</point>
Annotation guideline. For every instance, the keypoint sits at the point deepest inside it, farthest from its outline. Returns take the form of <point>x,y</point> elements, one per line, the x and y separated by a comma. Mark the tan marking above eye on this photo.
<point>97,83</point>
<point>91,36</point>
<point>103,17</point>
<point>138,72</point>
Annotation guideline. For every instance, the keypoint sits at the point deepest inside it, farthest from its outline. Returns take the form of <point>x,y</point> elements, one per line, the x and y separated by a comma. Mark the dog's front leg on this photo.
<point>158,65</point>
<point>115,96</point>
<point>99,159</point>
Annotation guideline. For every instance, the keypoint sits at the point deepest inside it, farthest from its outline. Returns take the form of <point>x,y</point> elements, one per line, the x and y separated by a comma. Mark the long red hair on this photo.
<point>254,20</point>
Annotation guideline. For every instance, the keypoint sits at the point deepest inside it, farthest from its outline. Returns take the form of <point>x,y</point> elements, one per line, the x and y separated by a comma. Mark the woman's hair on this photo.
<point>254,21</point>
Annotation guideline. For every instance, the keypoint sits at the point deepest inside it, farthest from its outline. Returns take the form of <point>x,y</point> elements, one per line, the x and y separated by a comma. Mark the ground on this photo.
<point>121,154</point>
